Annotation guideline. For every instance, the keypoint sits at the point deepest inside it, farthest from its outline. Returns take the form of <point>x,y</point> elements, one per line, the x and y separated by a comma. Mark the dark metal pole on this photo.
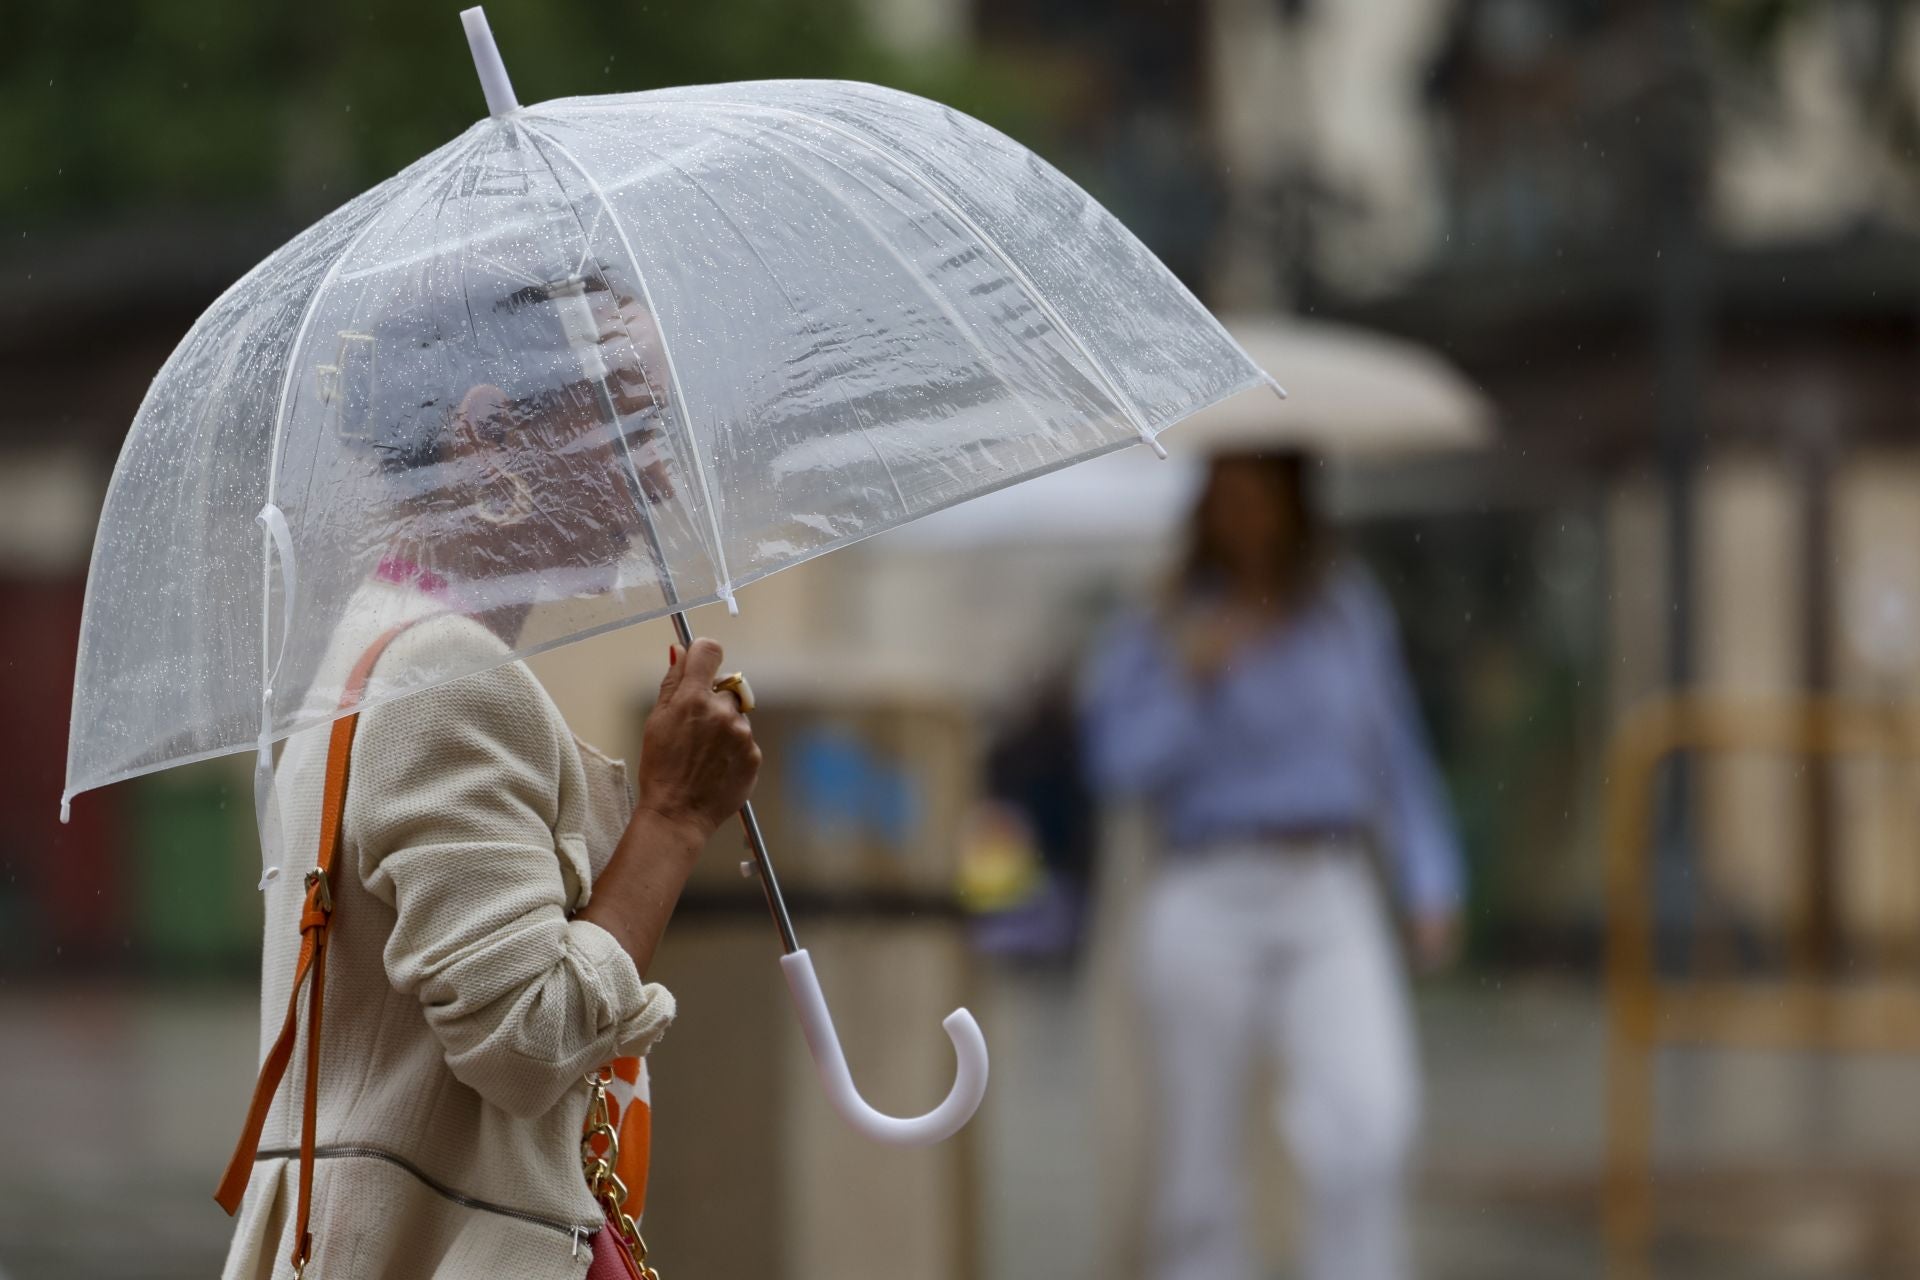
<point>1815,426</point>
<point>1682,332</point>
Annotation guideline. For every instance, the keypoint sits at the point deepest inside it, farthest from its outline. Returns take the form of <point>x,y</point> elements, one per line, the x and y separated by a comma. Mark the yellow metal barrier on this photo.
<point>1646,1011</point>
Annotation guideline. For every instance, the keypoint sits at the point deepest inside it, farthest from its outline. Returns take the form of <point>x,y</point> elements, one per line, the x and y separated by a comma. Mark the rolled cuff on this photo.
<point>1432,879</point>
<point>638,1012</point>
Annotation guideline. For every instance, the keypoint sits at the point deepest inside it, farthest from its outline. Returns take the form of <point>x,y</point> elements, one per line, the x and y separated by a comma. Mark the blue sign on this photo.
<point>839,788</point>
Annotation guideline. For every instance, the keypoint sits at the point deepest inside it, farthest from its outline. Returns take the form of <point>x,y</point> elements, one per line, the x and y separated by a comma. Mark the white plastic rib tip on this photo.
<point>733,606</point>
<point>1277,388</point>
<point>487,64</point>
<point>939,1124</point>
<point>1153,442</point>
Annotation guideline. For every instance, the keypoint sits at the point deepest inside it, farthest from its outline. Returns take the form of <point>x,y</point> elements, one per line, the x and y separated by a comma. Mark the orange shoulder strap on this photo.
<point>315,924</point>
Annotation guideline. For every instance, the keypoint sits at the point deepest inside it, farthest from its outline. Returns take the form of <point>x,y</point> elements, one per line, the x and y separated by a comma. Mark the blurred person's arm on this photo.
<point>1139,714</point>
<point>1418,824</point>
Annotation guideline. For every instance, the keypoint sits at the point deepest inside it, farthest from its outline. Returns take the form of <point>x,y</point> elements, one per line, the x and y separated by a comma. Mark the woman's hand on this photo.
<point>1209,640</point>
<point>1435,940</point>
<point>698,759</point>
<point>697,765</point>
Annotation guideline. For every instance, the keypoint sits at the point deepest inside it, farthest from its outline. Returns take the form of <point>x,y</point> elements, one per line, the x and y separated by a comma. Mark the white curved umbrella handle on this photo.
<point>945,1120</point>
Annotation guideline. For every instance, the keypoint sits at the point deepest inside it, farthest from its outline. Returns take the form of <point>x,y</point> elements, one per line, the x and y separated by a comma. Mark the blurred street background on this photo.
<point>1616,309</point>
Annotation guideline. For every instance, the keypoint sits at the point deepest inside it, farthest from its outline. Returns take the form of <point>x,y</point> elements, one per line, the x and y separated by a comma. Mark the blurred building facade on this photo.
<point>1673,244</point>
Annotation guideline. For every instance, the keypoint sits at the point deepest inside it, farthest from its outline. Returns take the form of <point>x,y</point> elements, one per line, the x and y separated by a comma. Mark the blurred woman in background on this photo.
<point>1264,714</point>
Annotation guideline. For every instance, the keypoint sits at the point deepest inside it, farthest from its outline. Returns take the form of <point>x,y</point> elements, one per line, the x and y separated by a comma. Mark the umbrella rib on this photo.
<point>278,425</point>
<point>933,295</point>
<point>1120,399</point>
<point>666,353</point>
<point>205,407</point>
<point>266,605</point>
<point>860,416</point>
<point>505,269</point>
<point>312,308</point>
<point>586,238</point>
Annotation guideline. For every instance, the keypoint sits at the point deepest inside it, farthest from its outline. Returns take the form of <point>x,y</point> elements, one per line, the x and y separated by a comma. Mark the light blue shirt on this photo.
<point>1311,726</point>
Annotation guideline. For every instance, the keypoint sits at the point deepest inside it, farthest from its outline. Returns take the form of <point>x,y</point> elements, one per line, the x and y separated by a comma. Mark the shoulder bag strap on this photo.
<point>316,922</point>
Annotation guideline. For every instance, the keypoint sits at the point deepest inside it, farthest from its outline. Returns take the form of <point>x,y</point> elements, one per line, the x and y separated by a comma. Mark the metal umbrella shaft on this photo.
<point>756,840</point>
<point>577,315</point>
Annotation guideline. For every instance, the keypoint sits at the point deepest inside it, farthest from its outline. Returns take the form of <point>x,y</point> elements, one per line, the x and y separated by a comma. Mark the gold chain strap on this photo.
<point>602,1181</point>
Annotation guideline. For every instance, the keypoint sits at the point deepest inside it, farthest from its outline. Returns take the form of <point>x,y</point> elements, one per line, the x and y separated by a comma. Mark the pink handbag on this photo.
<point>613,1261</point>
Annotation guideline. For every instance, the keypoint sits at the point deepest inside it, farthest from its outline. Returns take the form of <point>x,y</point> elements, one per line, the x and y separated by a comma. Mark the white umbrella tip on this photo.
<point>487,64</point>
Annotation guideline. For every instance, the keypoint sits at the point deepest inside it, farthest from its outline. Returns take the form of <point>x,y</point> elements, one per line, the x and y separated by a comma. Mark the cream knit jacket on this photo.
<point>464,1006</point>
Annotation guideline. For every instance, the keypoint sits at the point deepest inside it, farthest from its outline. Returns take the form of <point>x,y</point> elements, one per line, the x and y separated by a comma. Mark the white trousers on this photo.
<point>1285,951</point>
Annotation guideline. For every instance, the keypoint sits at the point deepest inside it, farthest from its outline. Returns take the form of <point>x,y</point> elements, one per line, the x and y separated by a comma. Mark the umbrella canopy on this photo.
<point>755,322</point>
<point>1353,395</point>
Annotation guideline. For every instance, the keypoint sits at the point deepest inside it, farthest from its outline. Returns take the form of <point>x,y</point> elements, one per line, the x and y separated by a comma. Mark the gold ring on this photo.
<point>736,684</point>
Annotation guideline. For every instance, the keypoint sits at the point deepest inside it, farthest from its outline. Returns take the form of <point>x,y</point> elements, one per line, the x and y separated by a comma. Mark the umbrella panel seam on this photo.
<point>1108,383</point>
<point>695,463</point>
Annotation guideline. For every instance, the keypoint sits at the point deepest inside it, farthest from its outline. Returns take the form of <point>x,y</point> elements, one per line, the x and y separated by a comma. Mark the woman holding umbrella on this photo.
<point>835,308</point>
<point>1264,713</point>
<point>498,890</point>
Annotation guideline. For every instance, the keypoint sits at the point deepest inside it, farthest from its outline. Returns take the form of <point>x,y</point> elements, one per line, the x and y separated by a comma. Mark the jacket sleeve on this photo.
<point>1418,819</point>
<point>452,803</point>
<point>1140,717</point>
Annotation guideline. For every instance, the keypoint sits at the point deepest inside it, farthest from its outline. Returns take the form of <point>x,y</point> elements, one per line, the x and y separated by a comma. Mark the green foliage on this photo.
<point>1751,29</point>
<point>126,106</point>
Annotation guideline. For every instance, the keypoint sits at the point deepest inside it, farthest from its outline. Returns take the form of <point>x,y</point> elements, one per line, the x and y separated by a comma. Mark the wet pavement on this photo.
<point>120,1105</point>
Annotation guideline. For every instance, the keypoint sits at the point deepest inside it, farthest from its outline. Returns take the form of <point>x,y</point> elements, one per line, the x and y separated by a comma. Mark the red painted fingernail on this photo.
<point>673,654</point>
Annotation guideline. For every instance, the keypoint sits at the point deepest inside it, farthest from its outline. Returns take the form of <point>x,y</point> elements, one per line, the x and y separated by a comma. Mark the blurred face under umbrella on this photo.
<point>1253,534</point>
<point>524,491</point>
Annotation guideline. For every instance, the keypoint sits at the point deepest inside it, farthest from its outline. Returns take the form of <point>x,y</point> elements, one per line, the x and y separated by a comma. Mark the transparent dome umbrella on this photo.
<point>715,332</point>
